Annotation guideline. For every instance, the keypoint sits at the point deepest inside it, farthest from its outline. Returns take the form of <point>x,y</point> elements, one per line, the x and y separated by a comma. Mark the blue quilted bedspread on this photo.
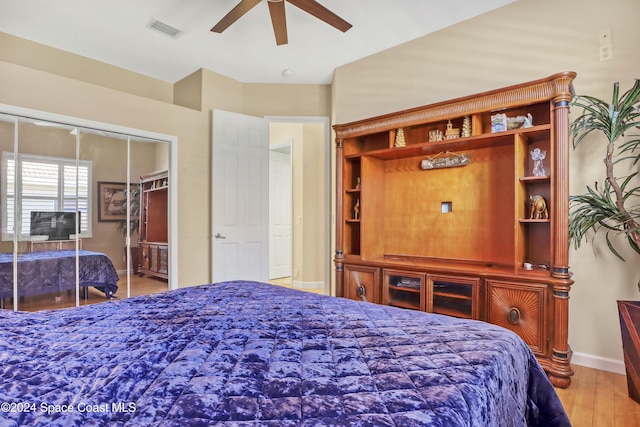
<point>55,271</point>
<point>252,354</point>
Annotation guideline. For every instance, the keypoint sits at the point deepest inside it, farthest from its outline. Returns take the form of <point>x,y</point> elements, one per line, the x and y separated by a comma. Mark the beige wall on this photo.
<point>33,55</point>
<point>526,40</point>
<point>52,85</point>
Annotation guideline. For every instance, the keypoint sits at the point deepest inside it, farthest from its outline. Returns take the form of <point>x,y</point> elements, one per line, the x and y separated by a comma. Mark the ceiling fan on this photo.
<point>278,19</point>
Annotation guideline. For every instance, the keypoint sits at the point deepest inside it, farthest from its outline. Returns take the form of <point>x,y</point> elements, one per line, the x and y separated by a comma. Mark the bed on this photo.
<point>254,354</point>
<point>55,271</point>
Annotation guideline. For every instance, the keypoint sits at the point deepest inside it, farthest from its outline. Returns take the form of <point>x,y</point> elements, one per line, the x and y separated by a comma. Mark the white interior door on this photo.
<point>280,212</point>
<point>240,197</point>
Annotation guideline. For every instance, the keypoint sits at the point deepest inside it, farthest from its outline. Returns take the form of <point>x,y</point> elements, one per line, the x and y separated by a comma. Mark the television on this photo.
<point>54,225</point>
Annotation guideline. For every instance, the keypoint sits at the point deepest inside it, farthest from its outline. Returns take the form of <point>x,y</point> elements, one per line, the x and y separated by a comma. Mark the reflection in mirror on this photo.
<point>43,172</point>
<point>8,128</point>
<point>149,166</point>
<point>73,193</point>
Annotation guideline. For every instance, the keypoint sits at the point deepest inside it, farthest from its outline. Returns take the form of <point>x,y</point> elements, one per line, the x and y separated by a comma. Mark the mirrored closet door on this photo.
<point>72,214</point>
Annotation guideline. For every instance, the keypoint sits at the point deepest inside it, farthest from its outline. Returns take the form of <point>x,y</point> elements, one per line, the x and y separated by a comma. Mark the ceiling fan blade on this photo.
<point>322,13</point>
<point>278,20</point>
<point>236,13</point>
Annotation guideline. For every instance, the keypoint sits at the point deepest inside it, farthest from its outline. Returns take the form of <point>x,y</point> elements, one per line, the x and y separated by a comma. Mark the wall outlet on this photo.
<point>605,52</point>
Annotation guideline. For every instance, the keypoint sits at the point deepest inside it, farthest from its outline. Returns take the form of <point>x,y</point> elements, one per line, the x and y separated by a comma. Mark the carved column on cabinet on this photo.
<point>339,218</point>
<point>561,199</point>
<point>560,373</point>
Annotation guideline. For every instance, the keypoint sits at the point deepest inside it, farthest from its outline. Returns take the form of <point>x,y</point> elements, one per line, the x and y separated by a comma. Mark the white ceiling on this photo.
<point>115,32</point>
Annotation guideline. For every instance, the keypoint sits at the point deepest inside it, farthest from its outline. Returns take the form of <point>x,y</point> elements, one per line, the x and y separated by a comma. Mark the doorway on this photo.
<point>308,142</point>
<point>240,183</point>
<point>280,210</point>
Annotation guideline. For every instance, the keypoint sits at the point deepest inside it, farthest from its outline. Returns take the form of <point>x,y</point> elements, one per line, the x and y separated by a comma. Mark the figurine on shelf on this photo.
<point>538,155</point>
<point>356,210</point>
<point>400,141</point>
<point>520,122</point>
<point>466,127</point>
<point>538,205</point>
<point>357,183</point>
<point>435,135</point>
<point>451,132</point>
<point>498,123</point>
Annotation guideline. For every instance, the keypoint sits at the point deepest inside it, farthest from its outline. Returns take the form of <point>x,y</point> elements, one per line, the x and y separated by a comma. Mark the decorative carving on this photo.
<point>538,207</point>
<point>557,86</point>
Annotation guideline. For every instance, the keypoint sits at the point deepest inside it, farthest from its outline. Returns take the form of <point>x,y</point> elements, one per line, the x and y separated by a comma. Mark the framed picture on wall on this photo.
<point>112,200</point>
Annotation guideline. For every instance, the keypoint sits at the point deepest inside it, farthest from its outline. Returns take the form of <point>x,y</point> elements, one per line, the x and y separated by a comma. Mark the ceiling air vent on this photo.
<point>165,29</point>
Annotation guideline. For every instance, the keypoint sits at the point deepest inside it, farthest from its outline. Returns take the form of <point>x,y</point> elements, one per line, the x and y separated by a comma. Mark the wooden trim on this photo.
<point>557,87</point>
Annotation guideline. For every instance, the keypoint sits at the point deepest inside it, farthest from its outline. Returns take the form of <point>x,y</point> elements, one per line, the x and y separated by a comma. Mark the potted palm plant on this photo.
<point>612,207</point>
<point>133,198</point>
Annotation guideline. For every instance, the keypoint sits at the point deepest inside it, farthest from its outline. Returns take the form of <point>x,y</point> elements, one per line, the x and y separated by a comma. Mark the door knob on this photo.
<point>219,236</point>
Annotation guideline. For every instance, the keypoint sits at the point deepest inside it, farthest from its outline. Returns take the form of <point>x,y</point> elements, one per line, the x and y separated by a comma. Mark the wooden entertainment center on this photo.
<point>153,246</point>
<point>457,226</point>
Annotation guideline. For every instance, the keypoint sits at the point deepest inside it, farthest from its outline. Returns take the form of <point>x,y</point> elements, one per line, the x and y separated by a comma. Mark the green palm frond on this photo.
<point>612,208</point>
<point>596,211</point>
<point>613,120</point>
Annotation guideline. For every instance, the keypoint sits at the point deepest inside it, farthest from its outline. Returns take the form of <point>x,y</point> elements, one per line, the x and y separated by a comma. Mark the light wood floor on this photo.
<point>594,399</point>
<point>599,399</point>
<point>287,283</point>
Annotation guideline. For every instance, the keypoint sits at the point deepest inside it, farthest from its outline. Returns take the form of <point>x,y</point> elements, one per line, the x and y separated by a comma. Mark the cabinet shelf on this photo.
<point>535,179</point>
<point>534,221</point>
<point>404,289</point>
<point>467,143</point>
<point>451,295</point>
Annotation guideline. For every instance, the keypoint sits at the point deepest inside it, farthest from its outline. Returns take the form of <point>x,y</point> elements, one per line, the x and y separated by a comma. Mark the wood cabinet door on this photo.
<point>362,283</point>
<point>520,308</point>
<point>145,262</point>
<point>163,259</point>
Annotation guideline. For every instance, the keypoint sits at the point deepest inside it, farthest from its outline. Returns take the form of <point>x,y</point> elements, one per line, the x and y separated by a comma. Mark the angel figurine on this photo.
<point>538,155</point>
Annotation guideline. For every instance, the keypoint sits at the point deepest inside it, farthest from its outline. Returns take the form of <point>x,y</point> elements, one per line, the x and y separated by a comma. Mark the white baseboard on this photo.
<point>596,362</point>
<point>306,285</point>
